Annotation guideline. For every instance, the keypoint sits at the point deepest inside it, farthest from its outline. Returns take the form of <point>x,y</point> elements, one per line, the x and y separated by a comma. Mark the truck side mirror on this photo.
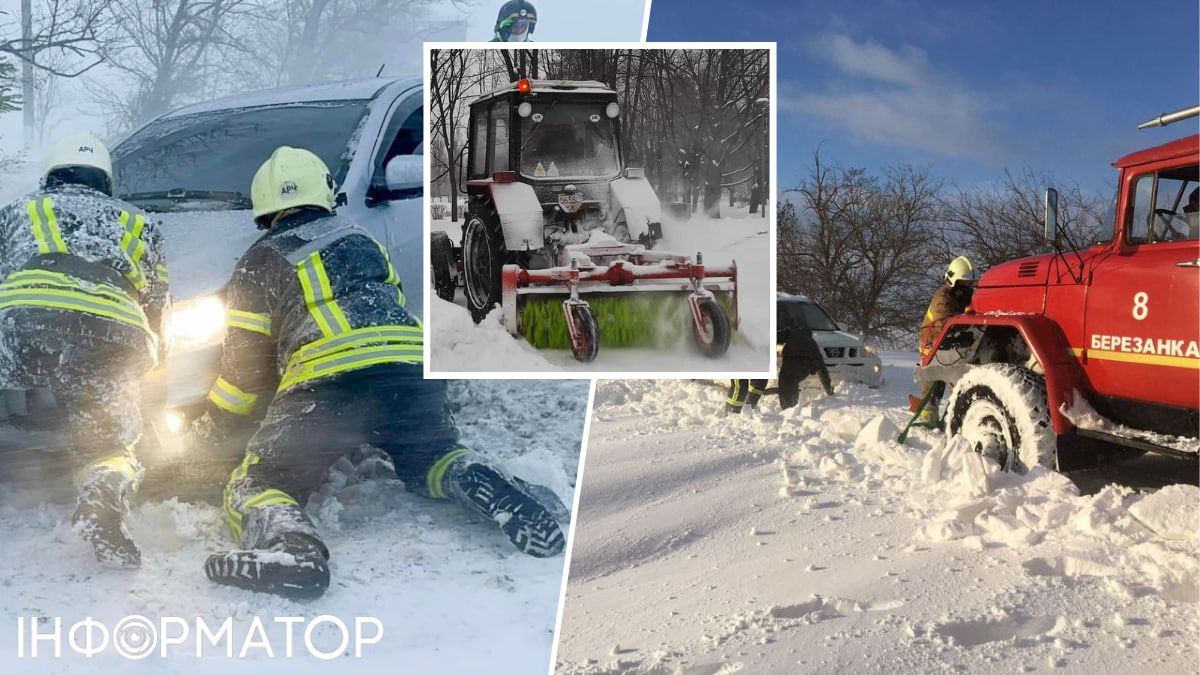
<point>1050,217</point>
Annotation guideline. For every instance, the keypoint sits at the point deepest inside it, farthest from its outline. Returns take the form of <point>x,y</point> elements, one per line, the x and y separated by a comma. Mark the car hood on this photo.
<point>836,338</point>
<point>202,248</point>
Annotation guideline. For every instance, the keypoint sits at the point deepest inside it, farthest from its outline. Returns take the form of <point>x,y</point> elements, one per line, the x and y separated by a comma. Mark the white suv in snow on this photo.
<point>847,356</point>
<point>191,170</point>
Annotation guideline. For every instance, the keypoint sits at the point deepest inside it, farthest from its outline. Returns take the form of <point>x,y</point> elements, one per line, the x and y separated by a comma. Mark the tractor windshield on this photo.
<point>568,140</point>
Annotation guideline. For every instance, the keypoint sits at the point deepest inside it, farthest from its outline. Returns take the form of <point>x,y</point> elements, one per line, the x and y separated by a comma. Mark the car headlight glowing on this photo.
<point>174,421</point>
<point>197,321</point>
<point>869,350</point>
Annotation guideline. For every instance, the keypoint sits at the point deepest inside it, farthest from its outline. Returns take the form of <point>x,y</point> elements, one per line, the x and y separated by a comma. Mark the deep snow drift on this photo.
<point>452,593</point>
<point>809,541</point>
<point>458,345</point>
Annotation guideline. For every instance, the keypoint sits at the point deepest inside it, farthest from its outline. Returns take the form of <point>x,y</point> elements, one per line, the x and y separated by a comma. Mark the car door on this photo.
<point>1142,323</point>
<point>399,215</point>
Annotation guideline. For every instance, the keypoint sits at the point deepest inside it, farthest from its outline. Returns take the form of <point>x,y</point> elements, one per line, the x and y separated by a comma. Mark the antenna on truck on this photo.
<point>1169,118</point>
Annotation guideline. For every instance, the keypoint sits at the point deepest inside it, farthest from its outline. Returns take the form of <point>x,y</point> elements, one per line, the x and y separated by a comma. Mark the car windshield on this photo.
<point>206,161</point>
<point>568,140</point>
<point>797,314</point>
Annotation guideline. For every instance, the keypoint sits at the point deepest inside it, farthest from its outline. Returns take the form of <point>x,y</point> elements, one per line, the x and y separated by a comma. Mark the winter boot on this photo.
<point>528,514</point>
<point>105,489</point>
<point>293,565</point>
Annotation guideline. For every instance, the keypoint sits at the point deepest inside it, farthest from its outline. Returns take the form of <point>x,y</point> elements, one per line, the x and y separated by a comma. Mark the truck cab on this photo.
<point>1099,341</point>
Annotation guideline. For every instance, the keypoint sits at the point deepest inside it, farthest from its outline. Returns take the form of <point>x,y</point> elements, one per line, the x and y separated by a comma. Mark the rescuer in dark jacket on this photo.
<point>82,305</point>
<point>743,393</point>
<point>801,358</point>
<point>319,336</point>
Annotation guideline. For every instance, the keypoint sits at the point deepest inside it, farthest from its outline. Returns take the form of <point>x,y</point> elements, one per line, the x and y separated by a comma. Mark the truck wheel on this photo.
<point>588,345</point>
<point>1001,410</point>
<point>712,332</point>
<point>441,258</point>
<point>483,257</point>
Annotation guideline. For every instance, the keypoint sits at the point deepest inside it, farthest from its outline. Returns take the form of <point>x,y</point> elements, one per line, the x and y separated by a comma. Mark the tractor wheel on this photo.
<point>1001,410</point>
<point>588,344</point>
<point>713,332</point>
<point>441,258</point>
<point>483,255</point>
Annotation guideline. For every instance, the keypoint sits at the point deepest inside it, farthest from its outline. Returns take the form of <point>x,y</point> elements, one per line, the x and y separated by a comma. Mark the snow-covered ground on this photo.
<point>458,345</point>
<point>451,592</point>
<point>810,541</point>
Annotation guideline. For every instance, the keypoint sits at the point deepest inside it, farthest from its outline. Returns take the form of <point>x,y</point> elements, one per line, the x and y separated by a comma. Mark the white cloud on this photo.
<point>896,96</point>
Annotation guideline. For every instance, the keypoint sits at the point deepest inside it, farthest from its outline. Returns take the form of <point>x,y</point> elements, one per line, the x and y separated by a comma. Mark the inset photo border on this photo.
<point>635,241</point>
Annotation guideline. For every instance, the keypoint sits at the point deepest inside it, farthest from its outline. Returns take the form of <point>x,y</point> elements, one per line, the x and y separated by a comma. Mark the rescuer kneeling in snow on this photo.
<point>952,298</point>
<point>319,336</point>
<point>82,304</point>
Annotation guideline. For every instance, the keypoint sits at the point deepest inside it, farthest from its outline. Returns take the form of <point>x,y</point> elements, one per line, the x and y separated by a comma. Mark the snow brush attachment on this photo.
<point>624,296</point>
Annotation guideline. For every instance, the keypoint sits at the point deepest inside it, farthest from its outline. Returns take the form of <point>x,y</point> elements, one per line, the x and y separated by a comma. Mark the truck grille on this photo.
<point>835,352</point>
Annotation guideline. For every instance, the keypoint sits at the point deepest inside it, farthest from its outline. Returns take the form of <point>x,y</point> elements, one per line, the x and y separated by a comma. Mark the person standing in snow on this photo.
<point>83,304</point>
<point>801,358</point>
<point>743,393</point>
<point>952,298</point>
<point>515,22</point>
<point>321,347</point>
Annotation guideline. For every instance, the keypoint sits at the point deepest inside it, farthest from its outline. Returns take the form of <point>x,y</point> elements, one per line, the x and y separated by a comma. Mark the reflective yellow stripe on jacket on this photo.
<point>251,321</point>
<point>45,231</point>
<point>133,247</point>
<point>42,288</point>
<point>318,296</point>
<point>358,348</point>
<point>227,396</point>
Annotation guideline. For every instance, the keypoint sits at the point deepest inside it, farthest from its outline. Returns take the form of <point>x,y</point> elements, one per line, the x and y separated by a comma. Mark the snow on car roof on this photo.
<point>572,86</point>
<point>348,90</point>
<point>788,297</point>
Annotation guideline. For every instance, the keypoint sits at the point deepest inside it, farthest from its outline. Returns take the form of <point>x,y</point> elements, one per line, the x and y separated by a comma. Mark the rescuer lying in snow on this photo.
<point>82,304</point>
<point>322,349</point>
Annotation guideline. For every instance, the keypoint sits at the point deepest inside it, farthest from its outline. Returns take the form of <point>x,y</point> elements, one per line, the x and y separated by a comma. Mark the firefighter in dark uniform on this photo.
<point>83,303</point>
<point>801,358</point>
<point>321,347</point>
<point>515,22</point>
<point>952,298</point>
<point>744,393</point>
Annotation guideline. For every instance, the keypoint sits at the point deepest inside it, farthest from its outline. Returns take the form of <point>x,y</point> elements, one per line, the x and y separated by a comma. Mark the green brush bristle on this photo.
<point>625,320</point>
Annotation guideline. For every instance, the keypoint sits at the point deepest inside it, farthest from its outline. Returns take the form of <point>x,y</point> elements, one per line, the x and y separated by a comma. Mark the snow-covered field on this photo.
<point>810,541</point>
<point>451,592</point>
<point>459,345</point>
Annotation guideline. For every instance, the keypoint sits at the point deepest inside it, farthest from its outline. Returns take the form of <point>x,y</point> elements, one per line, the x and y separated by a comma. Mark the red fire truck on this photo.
<point>1096,342</point>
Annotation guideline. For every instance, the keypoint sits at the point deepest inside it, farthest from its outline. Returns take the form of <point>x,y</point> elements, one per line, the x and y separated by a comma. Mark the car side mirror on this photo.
<point>1050,215</point>
<point>404,172</point>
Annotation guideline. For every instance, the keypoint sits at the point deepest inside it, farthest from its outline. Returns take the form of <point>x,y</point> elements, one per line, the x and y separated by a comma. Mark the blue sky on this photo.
<point>964,88</point>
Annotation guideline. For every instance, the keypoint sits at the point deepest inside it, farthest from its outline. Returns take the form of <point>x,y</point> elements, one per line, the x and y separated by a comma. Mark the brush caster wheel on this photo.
<point>483,257</point>
<point>711,328</point>
<point>585,338</point>
<point>441,259</point>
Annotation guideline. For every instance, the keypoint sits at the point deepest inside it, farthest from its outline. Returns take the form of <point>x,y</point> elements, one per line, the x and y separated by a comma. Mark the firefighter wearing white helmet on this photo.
<point>322,357</point>
<point>952,298</point>
<point>83,303</point>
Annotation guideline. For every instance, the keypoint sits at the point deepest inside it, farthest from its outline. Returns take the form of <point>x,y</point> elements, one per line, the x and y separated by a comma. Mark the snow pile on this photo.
<point>433,574</point>
<point>461,346</point>
<point>809,540</point>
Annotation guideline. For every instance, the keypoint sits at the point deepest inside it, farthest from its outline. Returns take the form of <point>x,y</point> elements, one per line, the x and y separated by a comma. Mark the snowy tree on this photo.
<point>10,100</point>
<point>58,27</point>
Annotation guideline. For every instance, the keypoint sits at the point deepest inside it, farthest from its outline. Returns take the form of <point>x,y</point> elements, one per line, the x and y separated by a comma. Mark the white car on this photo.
<point>847,356</point>
<point>191,170</point>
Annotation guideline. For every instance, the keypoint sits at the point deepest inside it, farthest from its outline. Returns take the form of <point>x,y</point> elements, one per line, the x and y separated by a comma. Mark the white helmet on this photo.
<point>81,159</point>
<point>960,269</point>
<point>290,178</point>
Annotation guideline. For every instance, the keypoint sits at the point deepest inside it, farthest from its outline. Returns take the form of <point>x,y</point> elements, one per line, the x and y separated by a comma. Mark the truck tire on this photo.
<point>1001,409</point>
<point>441,258</point>
<point>483,257</point>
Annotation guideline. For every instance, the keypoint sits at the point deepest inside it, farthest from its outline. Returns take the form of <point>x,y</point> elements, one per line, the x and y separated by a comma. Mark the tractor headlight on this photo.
<point>197,321</point>
<point>570,200</point>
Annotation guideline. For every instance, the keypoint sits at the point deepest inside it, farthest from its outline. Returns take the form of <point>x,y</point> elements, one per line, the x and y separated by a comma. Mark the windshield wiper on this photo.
<point>537,124</point>
<point>177,196</point>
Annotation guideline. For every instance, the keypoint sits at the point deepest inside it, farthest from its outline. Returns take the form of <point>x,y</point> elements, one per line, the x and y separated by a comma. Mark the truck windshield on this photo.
<point>796,314</point>
<point>568,140</point>
<point>206,161</point>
